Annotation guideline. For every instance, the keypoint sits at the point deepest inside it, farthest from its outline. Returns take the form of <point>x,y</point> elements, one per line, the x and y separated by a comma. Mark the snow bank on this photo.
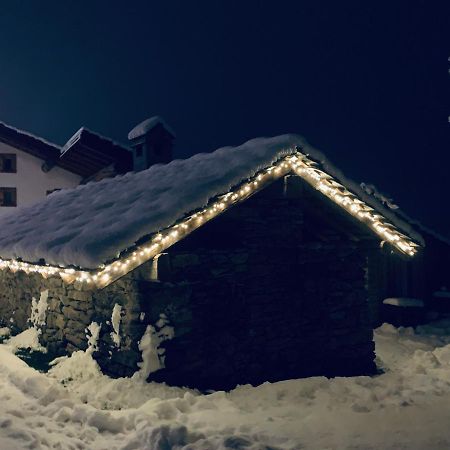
<point>93,223</point>
<point>4,331</point>
<point>28,339</point>
<point>408,406</point>
<point>80,365</point>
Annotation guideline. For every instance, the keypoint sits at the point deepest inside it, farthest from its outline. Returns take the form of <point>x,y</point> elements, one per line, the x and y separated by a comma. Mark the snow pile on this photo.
<point>29,339</point>
<point>93,223</point>
<point>115,321</point>
<point>408,406</point>
<point>39,309</point>
<point>147,125</point>
<point>80,365</point>
<point>152,355</point>
<point>4,331</point>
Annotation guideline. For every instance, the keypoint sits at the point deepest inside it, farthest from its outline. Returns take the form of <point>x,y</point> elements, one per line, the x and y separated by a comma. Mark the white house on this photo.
<point>25,174</point>
<point>31,167</point>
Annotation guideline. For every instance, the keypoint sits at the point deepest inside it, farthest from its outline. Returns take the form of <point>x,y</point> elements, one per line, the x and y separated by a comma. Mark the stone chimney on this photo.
<point>152,143</point>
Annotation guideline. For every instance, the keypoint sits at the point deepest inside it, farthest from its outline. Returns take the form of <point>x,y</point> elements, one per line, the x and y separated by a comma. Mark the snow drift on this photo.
<point>406,407</point>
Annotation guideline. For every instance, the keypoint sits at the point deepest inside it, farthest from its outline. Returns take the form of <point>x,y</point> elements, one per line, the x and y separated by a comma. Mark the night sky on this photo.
<point>365,82</point>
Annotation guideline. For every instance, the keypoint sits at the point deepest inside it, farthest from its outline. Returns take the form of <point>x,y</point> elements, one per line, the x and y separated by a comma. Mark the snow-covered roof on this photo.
<point>102,151</point>
<point>94,223</point>
<point>29,135</point>
<point>89,152</point>
<point>147,125</point>
<point>86,131</point>
<point>28,142</point>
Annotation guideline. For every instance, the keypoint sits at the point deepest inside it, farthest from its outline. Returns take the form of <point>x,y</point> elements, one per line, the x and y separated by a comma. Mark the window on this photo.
<point>8,163</point>
<point>8,196</point>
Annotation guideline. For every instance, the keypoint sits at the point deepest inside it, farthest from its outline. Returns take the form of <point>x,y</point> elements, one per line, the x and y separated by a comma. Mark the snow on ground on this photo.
<point>28,339</point>
<point>74,406</point>
<point>4,331</point>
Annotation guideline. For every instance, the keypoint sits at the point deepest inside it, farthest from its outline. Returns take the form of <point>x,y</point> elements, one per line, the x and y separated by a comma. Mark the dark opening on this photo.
<point>8,163</point>
<point>52,190</point>
<point>8,196</point>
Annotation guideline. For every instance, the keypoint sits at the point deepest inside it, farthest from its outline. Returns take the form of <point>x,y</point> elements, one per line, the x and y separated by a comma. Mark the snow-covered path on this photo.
<point>75,407</point>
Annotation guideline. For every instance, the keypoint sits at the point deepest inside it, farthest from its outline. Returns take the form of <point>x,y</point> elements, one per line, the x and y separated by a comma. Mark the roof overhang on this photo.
<point>295,162</point>
<point>28,143</point>
<point>87,152</point>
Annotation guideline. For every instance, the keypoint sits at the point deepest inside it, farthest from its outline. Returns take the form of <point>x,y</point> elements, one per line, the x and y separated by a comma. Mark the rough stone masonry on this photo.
<point>275,288</point>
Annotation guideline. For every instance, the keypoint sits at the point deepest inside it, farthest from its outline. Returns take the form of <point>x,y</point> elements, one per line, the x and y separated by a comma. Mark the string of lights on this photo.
<point>296,162</point>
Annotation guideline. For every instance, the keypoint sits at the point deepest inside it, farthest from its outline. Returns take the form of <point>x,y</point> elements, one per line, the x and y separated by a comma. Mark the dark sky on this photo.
<point>366,82</point>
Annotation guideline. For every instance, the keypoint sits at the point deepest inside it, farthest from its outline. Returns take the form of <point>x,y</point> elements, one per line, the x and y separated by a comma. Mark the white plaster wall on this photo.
<point>30,181</point>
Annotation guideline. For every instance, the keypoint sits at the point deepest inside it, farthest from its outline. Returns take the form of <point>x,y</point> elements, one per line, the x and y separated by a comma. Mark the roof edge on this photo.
<point>291,161</point>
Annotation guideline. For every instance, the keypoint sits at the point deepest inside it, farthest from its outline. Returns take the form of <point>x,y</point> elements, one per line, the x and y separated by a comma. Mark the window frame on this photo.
<point>13,158</point>
<point>13,191</point>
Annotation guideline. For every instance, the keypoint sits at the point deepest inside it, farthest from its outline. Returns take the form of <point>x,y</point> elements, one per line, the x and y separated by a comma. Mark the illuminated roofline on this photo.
<point>296,162</point>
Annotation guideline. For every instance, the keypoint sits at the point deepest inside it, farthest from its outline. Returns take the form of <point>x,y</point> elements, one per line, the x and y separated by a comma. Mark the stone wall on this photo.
<point>69,309</point>
<point>272,303</point>
<point>267,291</point>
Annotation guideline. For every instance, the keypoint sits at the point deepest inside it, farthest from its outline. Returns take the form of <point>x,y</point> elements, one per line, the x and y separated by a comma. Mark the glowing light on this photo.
<point>297,163</point>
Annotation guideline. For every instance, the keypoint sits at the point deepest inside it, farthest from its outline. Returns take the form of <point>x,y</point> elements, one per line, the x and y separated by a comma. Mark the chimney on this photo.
<point>152,143</point>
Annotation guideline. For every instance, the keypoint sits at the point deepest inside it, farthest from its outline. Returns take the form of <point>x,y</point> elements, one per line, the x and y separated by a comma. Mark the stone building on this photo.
<point>244,265</point>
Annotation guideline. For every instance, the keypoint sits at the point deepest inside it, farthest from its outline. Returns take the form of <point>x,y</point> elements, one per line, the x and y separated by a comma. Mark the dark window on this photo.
<point>8,163</point>
<point>8,196</point>
<point>139,151</point>
<point>52,190</point>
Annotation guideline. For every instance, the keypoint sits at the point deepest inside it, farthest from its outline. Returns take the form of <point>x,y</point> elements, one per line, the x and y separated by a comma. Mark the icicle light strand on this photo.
<point>297,163</point>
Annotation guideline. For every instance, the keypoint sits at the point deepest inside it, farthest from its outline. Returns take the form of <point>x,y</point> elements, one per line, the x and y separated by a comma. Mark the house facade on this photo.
<point>32,168</point>
<point>245,265</point>
<point>22,178</point>
<point>22,182</point>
